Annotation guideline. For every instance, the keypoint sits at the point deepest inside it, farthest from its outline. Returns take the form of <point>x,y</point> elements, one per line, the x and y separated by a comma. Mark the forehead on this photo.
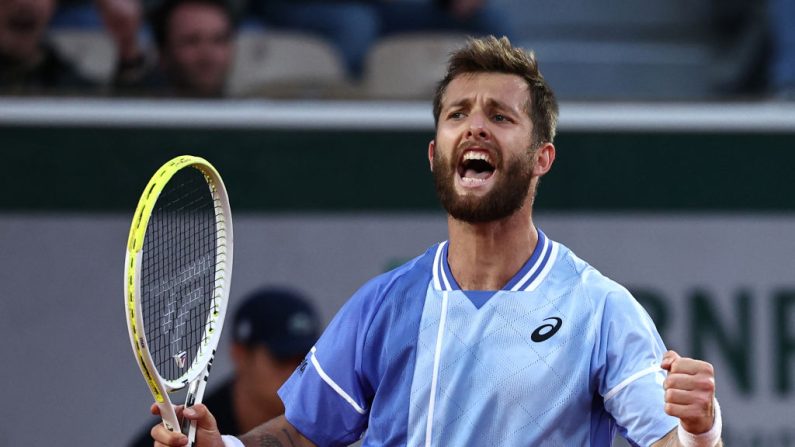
<point>27,5</point>
<point>197,16</point>
<point>507,89</point>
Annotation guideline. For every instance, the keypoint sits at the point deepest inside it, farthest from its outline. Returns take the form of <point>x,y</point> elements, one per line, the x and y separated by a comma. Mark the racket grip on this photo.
<point>195,394</point>
<point>169,416</point>
<point>189,427</point>
<point>191,432</point>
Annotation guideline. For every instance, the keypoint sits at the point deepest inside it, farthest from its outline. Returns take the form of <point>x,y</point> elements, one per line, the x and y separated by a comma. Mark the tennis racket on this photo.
<point>178,270</point>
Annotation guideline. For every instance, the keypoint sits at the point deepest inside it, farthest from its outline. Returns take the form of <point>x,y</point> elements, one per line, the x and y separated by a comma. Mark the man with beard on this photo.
<point>498,336</point>
<point>195,44</point>
<point>28,64</point>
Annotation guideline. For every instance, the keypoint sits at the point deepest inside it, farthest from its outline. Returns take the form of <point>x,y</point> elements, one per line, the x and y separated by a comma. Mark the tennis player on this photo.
<point>500,335</point>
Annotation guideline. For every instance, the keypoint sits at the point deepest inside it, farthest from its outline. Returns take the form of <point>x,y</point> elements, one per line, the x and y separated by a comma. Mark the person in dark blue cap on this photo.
<point>272,331</point>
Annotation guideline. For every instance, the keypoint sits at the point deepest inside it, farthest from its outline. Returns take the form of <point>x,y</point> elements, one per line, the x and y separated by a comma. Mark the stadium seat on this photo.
<point>285,65</point>
<point>92,51</point>
<point>605,20</point>
<point>408,66</point>
<point>620,49</point>
<point>626,71</point>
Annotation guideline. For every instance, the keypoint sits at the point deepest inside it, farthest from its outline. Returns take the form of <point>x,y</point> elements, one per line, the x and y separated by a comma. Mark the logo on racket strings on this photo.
<point>185,293</point>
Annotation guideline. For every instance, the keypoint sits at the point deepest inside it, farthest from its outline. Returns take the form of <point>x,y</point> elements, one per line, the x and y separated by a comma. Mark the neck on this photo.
<point>485,256</point>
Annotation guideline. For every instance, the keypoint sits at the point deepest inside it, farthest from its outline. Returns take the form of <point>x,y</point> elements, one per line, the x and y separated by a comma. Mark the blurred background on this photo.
<point>674,175</point>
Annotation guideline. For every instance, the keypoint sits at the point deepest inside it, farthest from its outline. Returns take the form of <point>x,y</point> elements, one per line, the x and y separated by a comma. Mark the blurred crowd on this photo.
<point>186,48</point>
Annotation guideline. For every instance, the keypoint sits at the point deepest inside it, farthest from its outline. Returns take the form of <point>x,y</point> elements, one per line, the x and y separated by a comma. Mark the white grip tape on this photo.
<point>706,439</point>
<point>231,441</point>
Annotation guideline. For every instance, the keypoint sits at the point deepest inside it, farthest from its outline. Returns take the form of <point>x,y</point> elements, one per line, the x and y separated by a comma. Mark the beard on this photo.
<point>507,195</point>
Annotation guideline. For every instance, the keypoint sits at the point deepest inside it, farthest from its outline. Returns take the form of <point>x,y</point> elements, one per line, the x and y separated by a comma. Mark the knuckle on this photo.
<point>709,368</point>
<point>706,384</point>
<point>701,402</point>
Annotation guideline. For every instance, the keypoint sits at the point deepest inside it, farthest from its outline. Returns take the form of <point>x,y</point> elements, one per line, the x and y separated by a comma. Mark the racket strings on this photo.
<point>179,272</point>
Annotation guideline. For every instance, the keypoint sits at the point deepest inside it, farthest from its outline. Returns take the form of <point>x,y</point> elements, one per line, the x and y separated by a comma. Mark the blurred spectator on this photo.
<point>781,15</point>
<point>272,331</point>
<point>742,38</point>
<point>76,14</point>
<point>194,41</point>
<point>353,26</point>
<point>28,63</point>
<point>474,17</point>
<point>350,25</point>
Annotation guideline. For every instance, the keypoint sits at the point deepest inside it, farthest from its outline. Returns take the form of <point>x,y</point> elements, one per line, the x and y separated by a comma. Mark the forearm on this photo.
<point>277,432</point>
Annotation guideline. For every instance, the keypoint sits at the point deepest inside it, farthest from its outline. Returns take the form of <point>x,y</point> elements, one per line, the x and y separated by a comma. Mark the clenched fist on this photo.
<point>689,392</point>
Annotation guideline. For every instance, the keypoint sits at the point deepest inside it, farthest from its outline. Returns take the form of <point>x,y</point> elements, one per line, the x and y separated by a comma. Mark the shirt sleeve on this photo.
<point>629,354</point>
<point>327,398</point>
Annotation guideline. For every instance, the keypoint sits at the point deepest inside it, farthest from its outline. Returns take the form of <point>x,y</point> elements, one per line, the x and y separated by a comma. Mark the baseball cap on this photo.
<point>279,318</point>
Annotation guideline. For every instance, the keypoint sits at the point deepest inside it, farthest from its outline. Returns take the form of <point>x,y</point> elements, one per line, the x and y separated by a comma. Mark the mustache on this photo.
<point>469,144</point>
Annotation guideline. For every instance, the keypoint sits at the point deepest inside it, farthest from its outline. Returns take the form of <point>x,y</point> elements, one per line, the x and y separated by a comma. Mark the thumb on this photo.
<point>204,419</point>
<point>207,433</point>
<point>668,360</point>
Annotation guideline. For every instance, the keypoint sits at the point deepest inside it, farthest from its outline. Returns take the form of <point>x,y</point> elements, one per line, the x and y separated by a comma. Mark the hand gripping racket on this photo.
<point>178,270</point>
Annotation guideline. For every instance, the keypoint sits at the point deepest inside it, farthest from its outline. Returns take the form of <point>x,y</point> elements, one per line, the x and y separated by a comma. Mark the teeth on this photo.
<point>474,155</point>
<point>473,180</point>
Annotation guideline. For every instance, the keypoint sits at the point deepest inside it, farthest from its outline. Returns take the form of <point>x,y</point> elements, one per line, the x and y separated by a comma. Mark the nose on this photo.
<point>478,126</point>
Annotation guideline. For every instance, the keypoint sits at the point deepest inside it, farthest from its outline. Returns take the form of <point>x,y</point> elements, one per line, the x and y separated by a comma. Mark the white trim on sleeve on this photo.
<point>610,394</point>
<point>334,385</point>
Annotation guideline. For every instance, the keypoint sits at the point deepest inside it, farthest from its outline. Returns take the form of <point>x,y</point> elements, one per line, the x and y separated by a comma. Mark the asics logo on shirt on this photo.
<point>546,331</point>
<point>302,366</point>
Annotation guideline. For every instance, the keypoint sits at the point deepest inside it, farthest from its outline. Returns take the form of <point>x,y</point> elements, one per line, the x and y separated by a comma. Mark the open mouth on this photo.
<point>475,167</point>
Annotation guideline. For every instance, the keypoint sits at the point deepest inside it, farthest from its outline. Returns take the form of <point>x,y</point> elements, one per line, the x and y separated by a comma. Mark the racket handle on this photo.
<point>188,426</point>
<point>191,434</point>
<point>169,416</point>
<point>195,395</point>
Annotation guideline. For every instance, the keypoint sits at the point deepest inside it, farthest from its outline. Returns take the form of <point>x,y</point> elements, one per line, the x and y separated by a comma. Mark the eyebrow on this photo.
<point>463,102</point>
<point>490,103</point>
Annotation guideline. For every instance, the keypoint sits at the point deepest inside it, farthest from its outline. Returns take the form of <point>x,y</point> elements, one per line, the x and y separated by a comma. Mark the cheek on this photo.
<point>178,56</point>
<point>262,379</point>
<point>446,136</point>
<point>443,150</point>
<point>193,55</point>
<point>48,9</point>
<point>222,52</point>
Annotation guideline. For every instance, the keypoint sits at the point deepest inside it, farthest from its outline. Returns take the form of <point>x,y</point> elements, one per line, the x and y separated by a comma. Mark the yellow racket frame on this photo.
<point>158,386</point>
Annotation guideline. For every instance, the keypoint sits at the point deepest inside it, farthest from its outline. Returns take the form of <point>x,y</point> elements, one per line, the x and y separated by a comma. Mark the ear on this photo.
<point>545,156</point>
<point>431,149</point>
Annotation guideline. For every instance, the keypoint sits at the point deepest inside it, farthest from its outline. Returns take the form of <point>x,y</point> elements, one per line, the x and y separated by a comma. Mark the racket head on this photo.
<point>170,350</point>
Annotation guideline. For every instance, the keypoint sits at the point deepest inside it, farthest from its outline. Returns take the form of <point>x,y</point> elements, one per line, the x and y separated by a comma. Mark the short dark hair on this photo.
<point>160,16</point>
<point>492,55</point>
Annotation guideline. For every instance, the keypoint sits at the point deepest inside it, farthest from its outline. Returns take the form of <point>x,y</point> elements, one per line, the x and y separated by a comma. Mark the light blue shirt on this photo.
<point>560,356</point>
